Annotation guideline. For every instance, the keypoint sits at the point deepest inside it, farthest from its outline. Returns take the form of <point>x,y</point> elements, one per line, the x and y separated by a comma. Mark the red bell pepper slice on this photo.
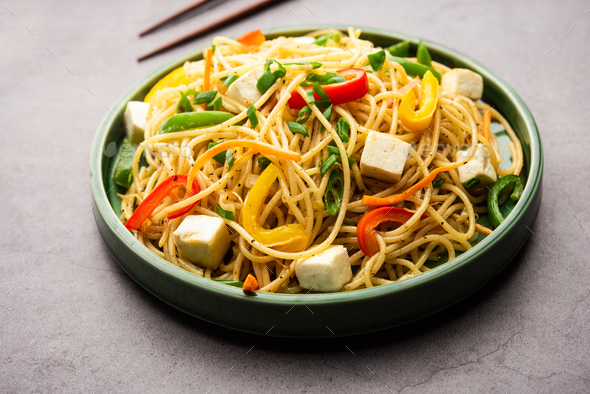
<point>147,206</point>
<point>252,38</point>
<point>365,230</point>
<point>355,87</point>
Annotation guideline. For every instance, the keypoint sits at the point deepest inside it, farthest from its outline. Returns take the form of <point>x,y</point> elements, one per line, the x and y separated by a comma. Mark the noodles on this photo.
<point>441,216</point>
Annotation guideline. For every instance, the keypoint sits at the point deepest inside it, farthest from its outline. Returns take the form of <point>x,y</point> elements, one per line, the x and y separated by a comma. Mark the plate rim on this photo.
<point>165,268</point>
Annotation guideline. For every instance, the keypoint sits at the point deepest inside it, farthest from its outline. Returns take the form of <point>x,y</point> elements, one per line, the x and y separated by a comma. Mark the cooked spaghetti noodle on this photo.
<point>442,219</point>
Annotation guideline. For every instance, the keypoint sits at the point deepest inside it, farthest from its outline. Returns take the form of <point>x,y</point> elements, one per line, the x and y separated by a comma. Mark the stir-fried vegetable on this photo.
<point>147,206</point>
<point>371,201</point>
<point>342,128</point>
<point>193,120</point>
<point>418,119</point>
<point>123,174</point>
<point>323,40</point>
<point>334,192</point>
<point>207,75</point>
<point>506,181</point>
<point>323,79</point>
<point>234,283</point>
<point>423,56</point>
<point>252,38</point>
<point>286,238</point>
<point>251,112</point>
<point>227,81</point>
<point>250,284</point>
<point>297,128</point>
<point>172,80</point>
<point>268,78</point>
<point>354,88</point>
<point>401,49</point>
<point>376,60</point>
<point>229,215</point>
<point>413,68</point>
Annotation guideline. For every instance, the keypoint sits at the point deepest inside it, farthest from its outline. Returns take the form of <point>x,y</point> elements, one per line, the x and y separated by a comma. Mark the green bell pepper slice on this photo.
<point>122,174</point>
<point>506,181</point>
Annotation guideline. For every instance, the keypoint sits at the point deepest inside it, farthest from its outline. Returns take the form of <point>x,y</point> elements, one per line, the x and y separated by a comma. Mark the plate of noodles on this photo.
<point>316,182</point>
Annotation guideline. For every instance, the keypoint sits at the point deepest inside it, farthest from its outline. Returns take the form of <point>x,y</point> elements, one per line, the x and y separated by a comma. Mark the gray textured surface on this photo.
<point>72,321</point>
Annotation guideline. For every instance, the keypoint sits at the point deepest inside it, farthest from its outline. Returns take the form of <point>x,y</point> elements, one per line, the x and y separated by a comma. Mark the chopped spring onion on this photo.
<point>342,128</point>
<point>438,183</point>
<point>227,81</point>
<point>263,162</point>
<point>304,114</point>
<point>334,192</point>
<point>328,115</point>
<point>322,40</point>
<point>229,215</point>
<point>268,78</point>
<point>326,79</point>
<point>215,104</point>
<point>297,128</point>
<point>220,157</point>
<point>401,49</point>
<point>252,116</point>
<point>473,182</point>
<point>205,97</point>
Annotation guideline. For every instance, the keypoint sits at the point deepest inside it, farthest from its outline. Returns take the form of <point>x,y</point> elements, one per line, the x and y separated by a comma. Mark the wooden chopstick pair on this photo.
<point>240,14</point>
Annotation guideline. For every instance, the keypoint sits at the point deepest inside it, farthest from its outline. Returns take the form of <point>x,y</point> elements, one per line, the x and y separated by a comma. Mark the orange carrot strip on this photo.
<point>250,284</point>
<point>485,129</point>
<point>207,77</point>
<point>255,147</point>
<point>371,201</point>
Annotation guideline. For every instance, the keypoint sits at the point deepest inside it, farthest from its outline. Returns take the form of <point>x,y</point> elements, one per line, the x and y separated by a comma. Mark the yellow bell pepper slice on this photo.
<point>172,80</point>
<point>419,119</point>
<point>288,238</point>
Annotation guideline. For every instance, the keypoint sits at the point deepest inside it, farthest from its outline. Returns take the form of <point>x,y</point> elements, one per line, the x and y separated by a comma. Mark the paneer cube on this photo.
<point>480,167</point>
<point>135,120</point>
<point>384,157</point>
<point>462,82</point>
<point>327,271</point>
<point>203,240</point>
<point>244,89</point>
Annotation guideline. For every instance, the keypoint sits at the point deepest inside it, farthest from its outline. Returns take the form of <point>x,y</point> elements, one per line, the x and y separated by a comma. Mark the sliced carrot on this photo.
<point>207,76</point>
<point>250,284</point>
<point>485,128</point>
<point>371,201</point>
<point>252,38</point>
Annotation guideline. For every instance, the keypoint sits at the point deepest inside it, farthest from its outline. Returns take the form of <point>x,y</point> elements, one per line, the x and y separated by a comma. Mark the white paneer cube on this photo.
<point>480,167</point>
<point>327,271</point>
<point>304,40</point>
<point>462,82</point>
<point>135,120</point>
<point>203,240</point>
<point>244,89</point>
<point>384,157</point>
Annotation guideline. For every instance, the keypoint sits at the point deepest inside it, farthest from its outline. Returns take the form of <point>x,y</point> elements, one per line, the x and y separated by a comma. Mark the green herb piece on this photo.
<point>348,221</point>
<point>220,157</point>
<point>263,162</point>
<point>251,112</point>
<point>230,159</point>
<point>184,104</point>
<point>193,120</point>
<point>213,49</point>
<point>401,49</point>
<point>330,161</point>
<point>229,215</point>
<point>215,104</point>
<point>304,114</point>
<point>234,283</point>
<point>268,78</point>
<point>334,192</point>
<point>422,55</point>
<point>314,65</point>
<point>326,79</point>
<point>205,97</point>
<point>438,183</point>
<point>328,115</point>
<point>377,60</point>
<point>297,128</point>
<point>227,81</point>
<point>317,89</point>
<point>323,40</point>
<point>342,128</point>
<point>123,174</point>
<point>470,184</point>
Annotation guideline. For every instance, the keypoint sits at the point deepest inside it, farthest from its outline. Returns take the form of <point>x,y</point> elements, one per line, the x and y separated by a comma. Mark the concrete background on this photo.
<point>72,321</point>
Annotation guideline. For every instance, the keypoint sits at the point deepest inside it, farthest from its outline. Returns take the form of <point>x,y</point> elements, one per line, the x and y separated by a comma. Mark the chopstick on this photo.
<point>173,16</point>
<point>246,11</point>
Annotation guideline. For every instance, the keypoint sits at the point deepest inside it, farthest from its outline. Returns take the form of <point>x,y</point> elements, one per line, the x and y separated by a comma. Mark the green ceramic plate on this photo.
<point>320,315</point>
